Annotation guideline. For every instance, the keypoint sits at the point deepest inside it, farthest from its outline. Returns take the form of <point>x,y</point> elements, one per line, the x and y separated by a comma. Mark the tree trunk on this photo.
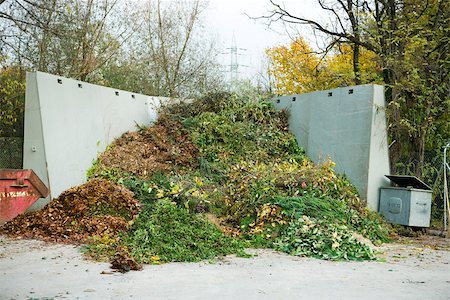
<point>356,68</point>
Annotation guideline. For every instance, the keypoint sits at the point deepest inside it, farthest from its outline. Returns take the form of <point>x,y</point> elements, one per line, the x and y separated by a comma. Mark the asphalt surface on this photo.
<point>32,269</point>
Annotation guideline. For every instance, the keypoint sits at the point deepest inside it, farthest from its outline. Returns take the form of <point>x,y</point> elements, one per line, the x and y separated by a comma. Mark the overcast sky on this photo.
<point>228,18</point>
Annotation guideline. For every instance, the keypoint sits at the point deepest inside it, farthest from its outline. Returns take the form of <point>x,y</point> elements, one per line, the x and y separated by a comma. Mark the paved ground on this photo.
<point>419,270</point>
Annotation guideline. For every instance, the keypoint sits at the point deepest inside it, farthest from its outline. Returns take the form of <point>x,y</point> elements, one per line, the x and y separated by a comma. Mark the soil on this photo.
<point>92,209</point>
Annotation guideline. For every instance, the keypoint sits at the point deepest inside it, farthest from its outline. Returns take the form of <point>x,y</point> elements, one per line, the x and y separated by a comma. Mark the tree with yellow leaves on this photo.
<point>296,68</point>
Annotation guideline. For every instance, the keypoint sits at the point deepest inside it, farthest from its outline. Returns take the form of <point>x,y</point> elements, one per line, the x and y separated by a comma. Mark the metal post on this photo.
<point>446,201</point>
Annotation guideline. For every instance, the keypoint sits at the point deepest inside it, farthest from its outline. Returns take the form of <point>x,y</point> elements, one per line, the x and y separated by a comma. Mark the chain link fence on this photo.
<point>431,172</point>
<point>11,149</point>
<point>411,165</point>
<point>438,207</point>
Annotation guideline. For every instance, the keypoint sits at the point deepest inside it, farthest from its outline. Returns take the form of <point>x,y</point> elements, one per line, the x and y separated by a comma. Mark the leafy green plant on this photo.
<point>166,232</point>
<point>322,239</point>
<point>316,207</point>
<point>102,248</point>
<point>143,190</point>
<point>369,224</point>
<point>98,171</point>
<point>242,131</point>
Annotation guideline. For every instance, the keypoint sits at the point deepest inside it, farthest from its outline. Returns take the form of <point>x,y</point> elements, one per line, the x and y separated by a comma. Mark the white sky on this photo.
<point>225,18</point>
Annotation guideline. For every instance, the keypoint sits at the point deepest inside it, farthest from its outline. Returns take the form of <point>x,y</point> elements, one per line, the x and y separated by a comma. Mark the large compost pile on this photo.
<point>212,177</point>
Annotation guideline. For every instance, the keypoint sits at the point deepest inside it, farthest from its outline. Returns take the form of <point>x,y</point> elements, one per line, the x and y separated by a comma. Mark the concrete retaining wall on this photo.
<point>68,122</point>
<point>348,125</point>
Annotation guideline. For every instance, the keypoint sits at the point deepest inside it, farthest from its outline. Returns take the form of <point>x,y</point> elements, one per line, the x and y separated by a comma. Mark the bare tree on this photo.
<point>71,38</point>
<point>179,54</point>
<point>157,47</point>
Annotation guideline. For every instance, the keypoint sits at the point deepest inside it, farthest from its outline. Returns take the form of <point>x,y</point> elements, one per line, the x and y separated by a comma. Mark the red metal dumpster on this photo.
<point>19,189</point>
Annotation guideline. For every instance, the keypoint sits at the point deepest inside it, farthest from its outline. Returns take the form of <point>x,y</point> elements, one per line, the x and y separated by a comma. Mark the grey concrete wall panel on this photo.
<point>68,122</point>
<point>349,126</point>
<point>379,153</point>
<point>33,144</point>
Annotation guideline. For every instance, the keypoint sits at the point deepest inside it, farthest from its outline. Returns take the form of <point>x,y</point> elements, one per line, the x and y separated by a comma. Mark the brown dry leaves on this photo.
<point>160,148</point>
<point>124,262</point>
<point>94,208</point>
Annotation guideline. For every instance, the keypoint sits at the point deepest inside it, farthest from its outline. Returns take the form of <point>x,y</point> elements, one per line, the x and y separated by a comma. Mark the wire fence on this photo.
<point>426,171</point>
<point>438,208</point>
<point>11,149</point>
<point>431,172</point>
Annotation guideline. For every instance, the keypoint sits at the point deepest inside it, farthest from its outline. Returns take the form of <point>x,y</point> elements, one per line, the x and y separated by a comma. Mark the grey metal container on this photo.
<point>408,204</point>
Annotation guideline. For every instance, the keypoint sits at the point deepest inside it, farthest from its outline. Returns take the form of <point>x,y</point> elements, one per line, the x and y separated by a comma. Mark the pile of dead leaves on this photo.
<point>164,146</point>
<point>94,208</point>
<point>124,262</point>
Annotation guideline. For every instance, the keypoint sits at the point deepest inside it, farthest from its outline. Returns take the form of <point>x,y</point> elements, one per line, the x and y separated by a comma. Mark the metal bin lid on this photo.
<point>408,181</point>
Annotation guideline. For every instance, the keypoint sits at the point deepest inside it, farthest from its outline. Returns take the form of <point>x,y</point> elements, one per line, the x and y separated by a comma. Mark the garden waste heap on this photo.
<point>210,177</point>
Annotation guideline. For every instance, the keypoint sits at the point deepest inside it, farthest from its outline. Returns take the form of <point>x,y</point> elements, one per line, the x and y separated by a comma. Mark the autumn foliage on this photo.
<point>298,68</point>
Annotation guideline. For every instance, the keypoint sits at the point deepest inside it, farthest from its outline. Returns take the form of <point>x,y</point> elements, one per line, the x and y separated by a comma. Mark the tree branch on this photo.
<point>281,14</point>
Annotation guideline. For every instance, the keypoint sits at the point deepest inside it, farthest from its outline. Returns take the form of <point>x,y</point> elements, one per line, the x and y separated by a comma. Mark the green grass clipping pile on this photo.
<point>223,173</point>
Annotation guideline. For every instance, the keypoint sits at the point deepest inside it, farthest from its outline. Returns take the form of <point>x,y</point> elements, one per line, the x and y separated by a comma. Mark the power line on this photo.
<point>234,63</point>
